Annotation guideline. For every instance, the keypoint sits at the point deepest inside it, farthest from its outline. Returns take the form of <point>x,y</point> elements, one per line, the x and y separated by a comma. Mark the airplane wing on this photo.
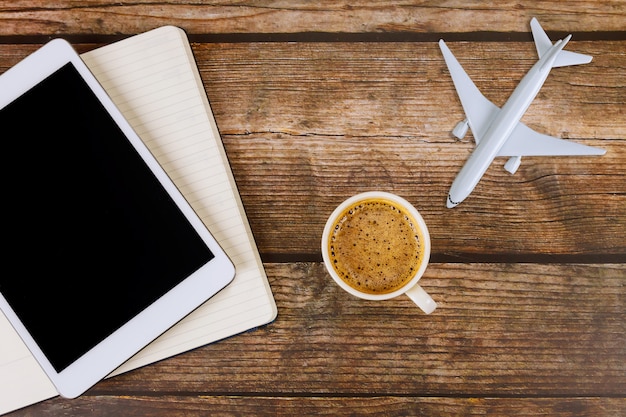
<point>480,112</point>
<point>526,142</point>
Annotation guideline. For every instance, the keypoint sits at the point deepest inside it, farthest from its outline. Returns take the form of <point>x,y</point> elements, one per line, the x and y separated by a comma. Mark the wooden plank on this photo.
<point>401,89</point>
<point>501,330</point>
<point>136,406</point>
<point>31,17</point>
<point>545,339</point>
<point>307,125</point>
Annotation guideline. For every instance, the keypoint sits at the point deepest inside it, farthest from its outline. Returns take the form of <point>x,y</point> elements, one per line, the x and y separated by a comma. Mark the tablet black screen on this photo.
<point>91,236</point>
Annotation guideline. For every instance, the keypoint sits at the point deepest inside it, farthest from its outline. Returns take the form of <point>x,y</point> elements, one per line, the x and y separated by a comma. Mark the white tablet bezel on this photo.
<point>101,360</point>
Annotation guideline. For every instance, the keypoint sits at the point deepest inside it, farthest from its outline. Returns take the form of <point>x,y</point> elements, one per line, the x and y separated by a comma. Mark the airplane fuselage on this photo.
<point>502,126</point>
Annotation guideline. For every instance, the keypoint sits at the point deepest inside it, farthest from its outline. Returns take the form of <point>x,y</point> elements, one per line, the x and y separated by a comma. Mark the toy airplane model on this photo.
<point>499,132</point>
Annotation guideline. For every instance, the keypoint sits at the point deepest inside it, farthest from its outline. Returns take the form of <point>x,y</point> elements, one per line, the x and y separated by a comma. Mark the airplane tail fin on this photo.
<point>543,44</point>
<point>542,41</point>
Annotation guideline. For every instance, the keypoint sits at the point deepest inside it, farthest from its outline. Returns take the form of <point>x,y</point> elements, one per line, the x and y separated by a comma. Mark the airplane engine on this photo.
<point>460,130</point>
<point>513,163</point>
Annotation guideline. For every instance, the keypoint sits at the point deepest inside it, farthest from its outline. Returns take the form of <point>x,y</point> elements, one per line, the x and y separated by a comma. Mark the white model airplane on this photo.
<point>499,132</point>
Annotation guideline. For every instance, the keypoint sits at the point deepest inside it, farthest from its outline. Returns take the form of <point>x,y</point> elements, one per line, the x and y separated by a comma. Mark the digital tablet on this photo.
<point>102,253</point>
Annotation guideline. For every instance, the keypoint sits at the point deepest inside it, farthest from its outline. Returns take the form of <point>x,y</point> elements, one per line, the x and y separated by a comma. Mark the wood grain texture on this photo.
<point>504,337</point>
<point>28,17</point>
<point>307,125</point>
<point>246,405</point>
<point>499,330</point>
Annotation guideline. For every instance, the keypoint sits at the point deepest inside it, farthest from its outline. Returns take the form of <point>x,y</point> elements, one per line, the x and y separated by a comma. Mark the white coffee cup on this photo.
<point>410,287</point>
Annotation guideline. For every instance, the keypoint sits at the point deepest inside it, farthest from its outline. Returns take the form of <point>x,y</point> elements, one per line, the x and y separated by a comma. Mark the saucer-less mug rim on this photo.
<point>368,195</point>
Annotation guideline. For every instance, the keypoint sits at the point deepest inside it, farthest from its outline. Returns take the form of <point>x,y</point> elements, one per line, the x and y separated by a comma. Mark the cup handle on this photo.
<point>422,299</point>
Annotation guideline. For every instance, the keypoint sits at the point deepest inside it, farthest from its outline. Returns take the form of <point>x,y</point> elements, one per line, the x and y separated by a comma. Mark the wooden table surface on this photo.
<point>317,101</point>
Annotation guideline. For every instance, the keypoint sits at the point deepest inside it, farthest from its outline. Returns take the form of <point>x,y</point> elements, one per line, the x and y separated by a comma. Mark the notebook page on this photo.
<point>153,79</point>
<point>22,381</point>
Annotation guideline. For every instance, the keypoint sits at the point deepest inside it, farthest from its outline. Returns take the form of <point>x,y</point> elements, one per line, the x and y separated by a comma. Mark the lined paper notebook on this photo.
<point>154,81</point>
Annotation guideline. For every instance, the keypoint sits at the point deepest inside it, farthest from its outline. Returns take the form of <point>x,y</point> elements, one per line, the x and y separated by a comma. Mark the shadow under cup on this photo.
<point>376,246</point>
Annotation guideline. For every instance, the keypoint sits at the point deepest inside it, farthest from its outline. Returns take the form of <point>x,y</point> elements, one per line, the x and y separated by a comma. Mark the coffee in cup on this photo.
<point>376,246</point>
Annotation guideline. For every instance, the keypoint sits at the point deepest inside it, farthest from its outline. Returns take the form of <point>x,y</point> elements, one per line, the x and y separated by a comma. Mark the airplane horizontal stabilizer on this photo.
<point>566,58</point>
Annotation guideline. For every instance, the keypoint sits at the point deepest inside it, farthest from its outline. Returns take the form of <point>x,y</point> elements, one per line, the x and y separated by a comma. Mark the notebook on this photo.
<point>153,79</point>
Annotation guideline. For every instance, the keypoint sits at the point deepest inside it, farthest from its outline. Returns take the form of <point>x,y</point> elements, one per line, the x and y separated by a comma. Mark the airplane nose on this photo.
<point>451,203</point>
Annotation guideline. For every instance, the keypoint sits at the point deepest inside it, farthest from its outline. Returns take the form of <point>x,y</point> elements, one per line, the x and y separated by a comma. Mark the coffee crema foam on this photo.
<point>375,246</point>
